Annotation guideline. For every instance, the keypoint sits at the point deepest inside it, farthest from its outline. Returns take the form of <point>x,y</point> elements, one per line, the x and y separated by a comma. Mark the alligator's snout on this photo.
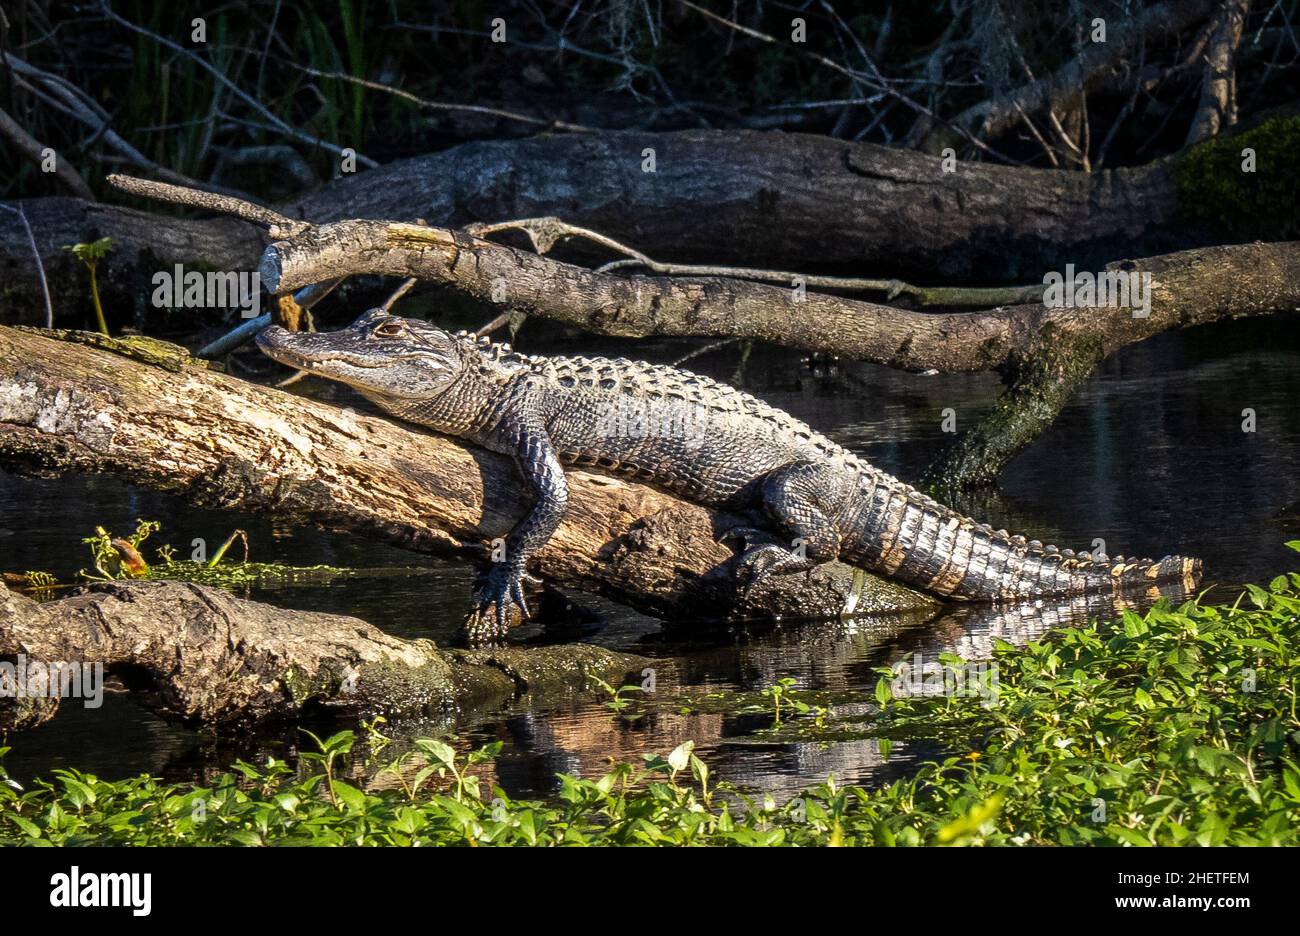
<point>272,337</point>
<point>277,343</point>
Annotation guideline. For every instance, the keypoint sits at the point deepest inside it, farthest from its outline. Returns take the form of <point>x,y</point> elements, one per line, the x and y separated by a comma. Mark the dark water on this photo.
<point>1151,457</point>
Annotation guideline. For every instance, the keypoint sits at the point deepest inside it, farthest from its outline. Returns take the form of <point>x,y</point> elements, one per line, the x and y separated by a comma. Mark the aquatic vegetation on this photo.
<point>1177,727</point>
<point>38,580</point>
<point>783,689</point>
<point>119,557</point>
<point>234,575</point>
<point>616,702</point>
<point>116,558</point>
<point>1174,727</point>
<point>796,714</point>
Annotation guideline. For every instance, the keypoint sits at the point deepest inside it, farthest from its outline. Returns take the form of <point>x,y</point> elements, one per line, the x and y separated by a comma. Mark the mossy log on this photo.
<point>201,656</point>
<point>226,442</point>
<point>749,198</point>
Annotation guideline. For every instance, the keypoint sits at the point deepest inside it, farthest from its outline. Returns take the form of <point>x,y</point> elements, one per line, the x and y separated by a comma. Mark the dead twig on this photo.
<point>545,232</point>
<point>550,124</point>
<point>407,285</point>
<point>40,267</point>
<point>276,223</point>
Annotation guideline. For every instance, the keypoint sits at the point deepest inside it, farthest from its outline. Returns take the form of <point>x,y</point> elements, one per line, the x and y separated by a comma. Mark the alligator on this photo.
<point>697,438</point>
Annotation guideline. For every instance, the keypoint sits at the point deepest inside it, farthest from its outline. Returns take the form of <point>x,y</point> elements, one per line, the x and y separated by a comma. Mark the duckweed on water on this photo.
<point>1177,727</point>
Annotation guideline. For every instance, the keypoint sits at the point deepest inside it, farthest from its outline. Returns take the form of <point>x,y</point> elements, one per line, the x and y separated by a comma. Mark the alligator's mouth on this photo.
<point>292,358</point>
<point>286,347</point>
<point>373,371</point>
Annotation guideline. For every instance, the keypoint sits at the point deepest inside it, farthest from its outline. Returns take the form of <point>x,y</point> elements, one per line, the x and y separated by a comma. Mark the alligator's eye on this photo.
<point>391,328</point>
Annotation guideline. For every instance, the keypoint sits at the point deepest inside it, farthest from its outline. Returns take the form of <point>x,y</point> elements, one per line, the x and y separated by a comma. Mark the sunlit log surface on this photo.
<point>202,656</point>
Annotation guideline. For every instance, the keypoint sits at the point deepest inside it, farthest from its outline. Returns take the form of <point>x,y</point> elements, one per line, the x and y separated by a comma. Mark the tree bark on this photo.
<point>229,443</point>
<point>1218,106</point>
<point>1187,288</point>
<point>738,197</point>
<point>202,656</point>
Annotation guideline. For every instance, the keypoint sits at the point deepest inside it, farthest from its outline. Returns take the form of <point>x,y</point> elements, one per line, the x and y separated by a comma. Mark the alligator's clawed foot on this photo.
<point>742,535</point>
<point>759,563</point>
<point>494,600</point>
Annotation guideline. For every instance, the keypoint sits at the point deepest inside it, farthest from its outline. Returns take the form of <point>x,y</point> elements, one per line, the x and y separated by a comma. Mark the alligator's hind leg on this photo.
<point>802,498</point>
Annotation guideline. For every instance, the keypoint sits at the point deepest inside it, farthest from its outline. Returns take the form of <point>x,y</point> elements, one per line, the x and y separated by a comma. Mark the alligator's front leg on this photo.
<point>527,441</point>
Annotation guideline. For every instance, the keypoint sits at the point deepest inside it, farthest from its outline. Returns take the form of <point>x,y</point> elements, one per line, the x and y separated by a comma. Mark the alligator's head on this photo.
<point>380,354</point>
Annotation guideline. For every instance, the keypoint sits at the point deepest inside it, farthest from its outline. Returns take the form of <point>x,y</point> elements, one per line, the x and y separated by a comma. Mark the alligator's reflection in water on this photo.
<point>716,697</point>
<point>971,631</point>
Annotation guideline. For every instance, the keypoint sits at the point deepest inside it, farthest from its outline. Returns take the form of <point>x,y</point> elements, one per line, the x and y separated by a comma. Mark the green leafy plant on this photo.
<point>40,579</point>
<point>119,557</point>
<point>783,689</point>
<point>1175,727</point>
<point>221,550</point>
<point>616,703</point>
<point>90,254</point>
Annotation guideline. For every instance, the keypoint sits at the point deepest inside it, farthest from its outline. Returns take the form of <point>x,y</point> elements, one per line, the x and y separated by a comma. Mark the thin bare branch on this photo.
<point>552,124</point>
<point>276,223</point>
<point>40,266</point>
<point>33,150</point>
<point>407,285</point>
<point>875,79</point>
<point>546,231</point>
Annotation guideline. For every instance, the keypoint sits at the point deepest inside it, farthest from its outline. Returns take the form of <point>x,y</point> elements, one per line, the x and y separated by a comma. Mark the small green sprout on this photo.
<point>90,254</point>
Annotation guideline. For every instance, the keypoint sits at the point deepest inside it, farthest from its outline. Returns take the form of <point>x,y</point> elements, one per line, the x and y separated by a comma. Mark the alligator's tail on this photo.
<point>914,539</point>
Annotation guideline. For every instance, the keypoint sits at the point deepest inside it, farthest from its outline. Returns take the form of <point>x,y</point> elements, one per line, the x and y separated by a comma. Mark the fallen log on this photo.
<point>1187,288</point>
<point>1044,350</point>
<point>201,656</point>
<point>739,197</point>
<point>176,425</point>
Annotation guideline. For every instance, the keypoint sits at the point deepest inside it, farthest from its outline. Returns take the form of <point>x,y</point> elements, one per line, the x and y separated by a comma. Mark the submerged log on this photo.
<point>203,656</point>
<point>225,442</point>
